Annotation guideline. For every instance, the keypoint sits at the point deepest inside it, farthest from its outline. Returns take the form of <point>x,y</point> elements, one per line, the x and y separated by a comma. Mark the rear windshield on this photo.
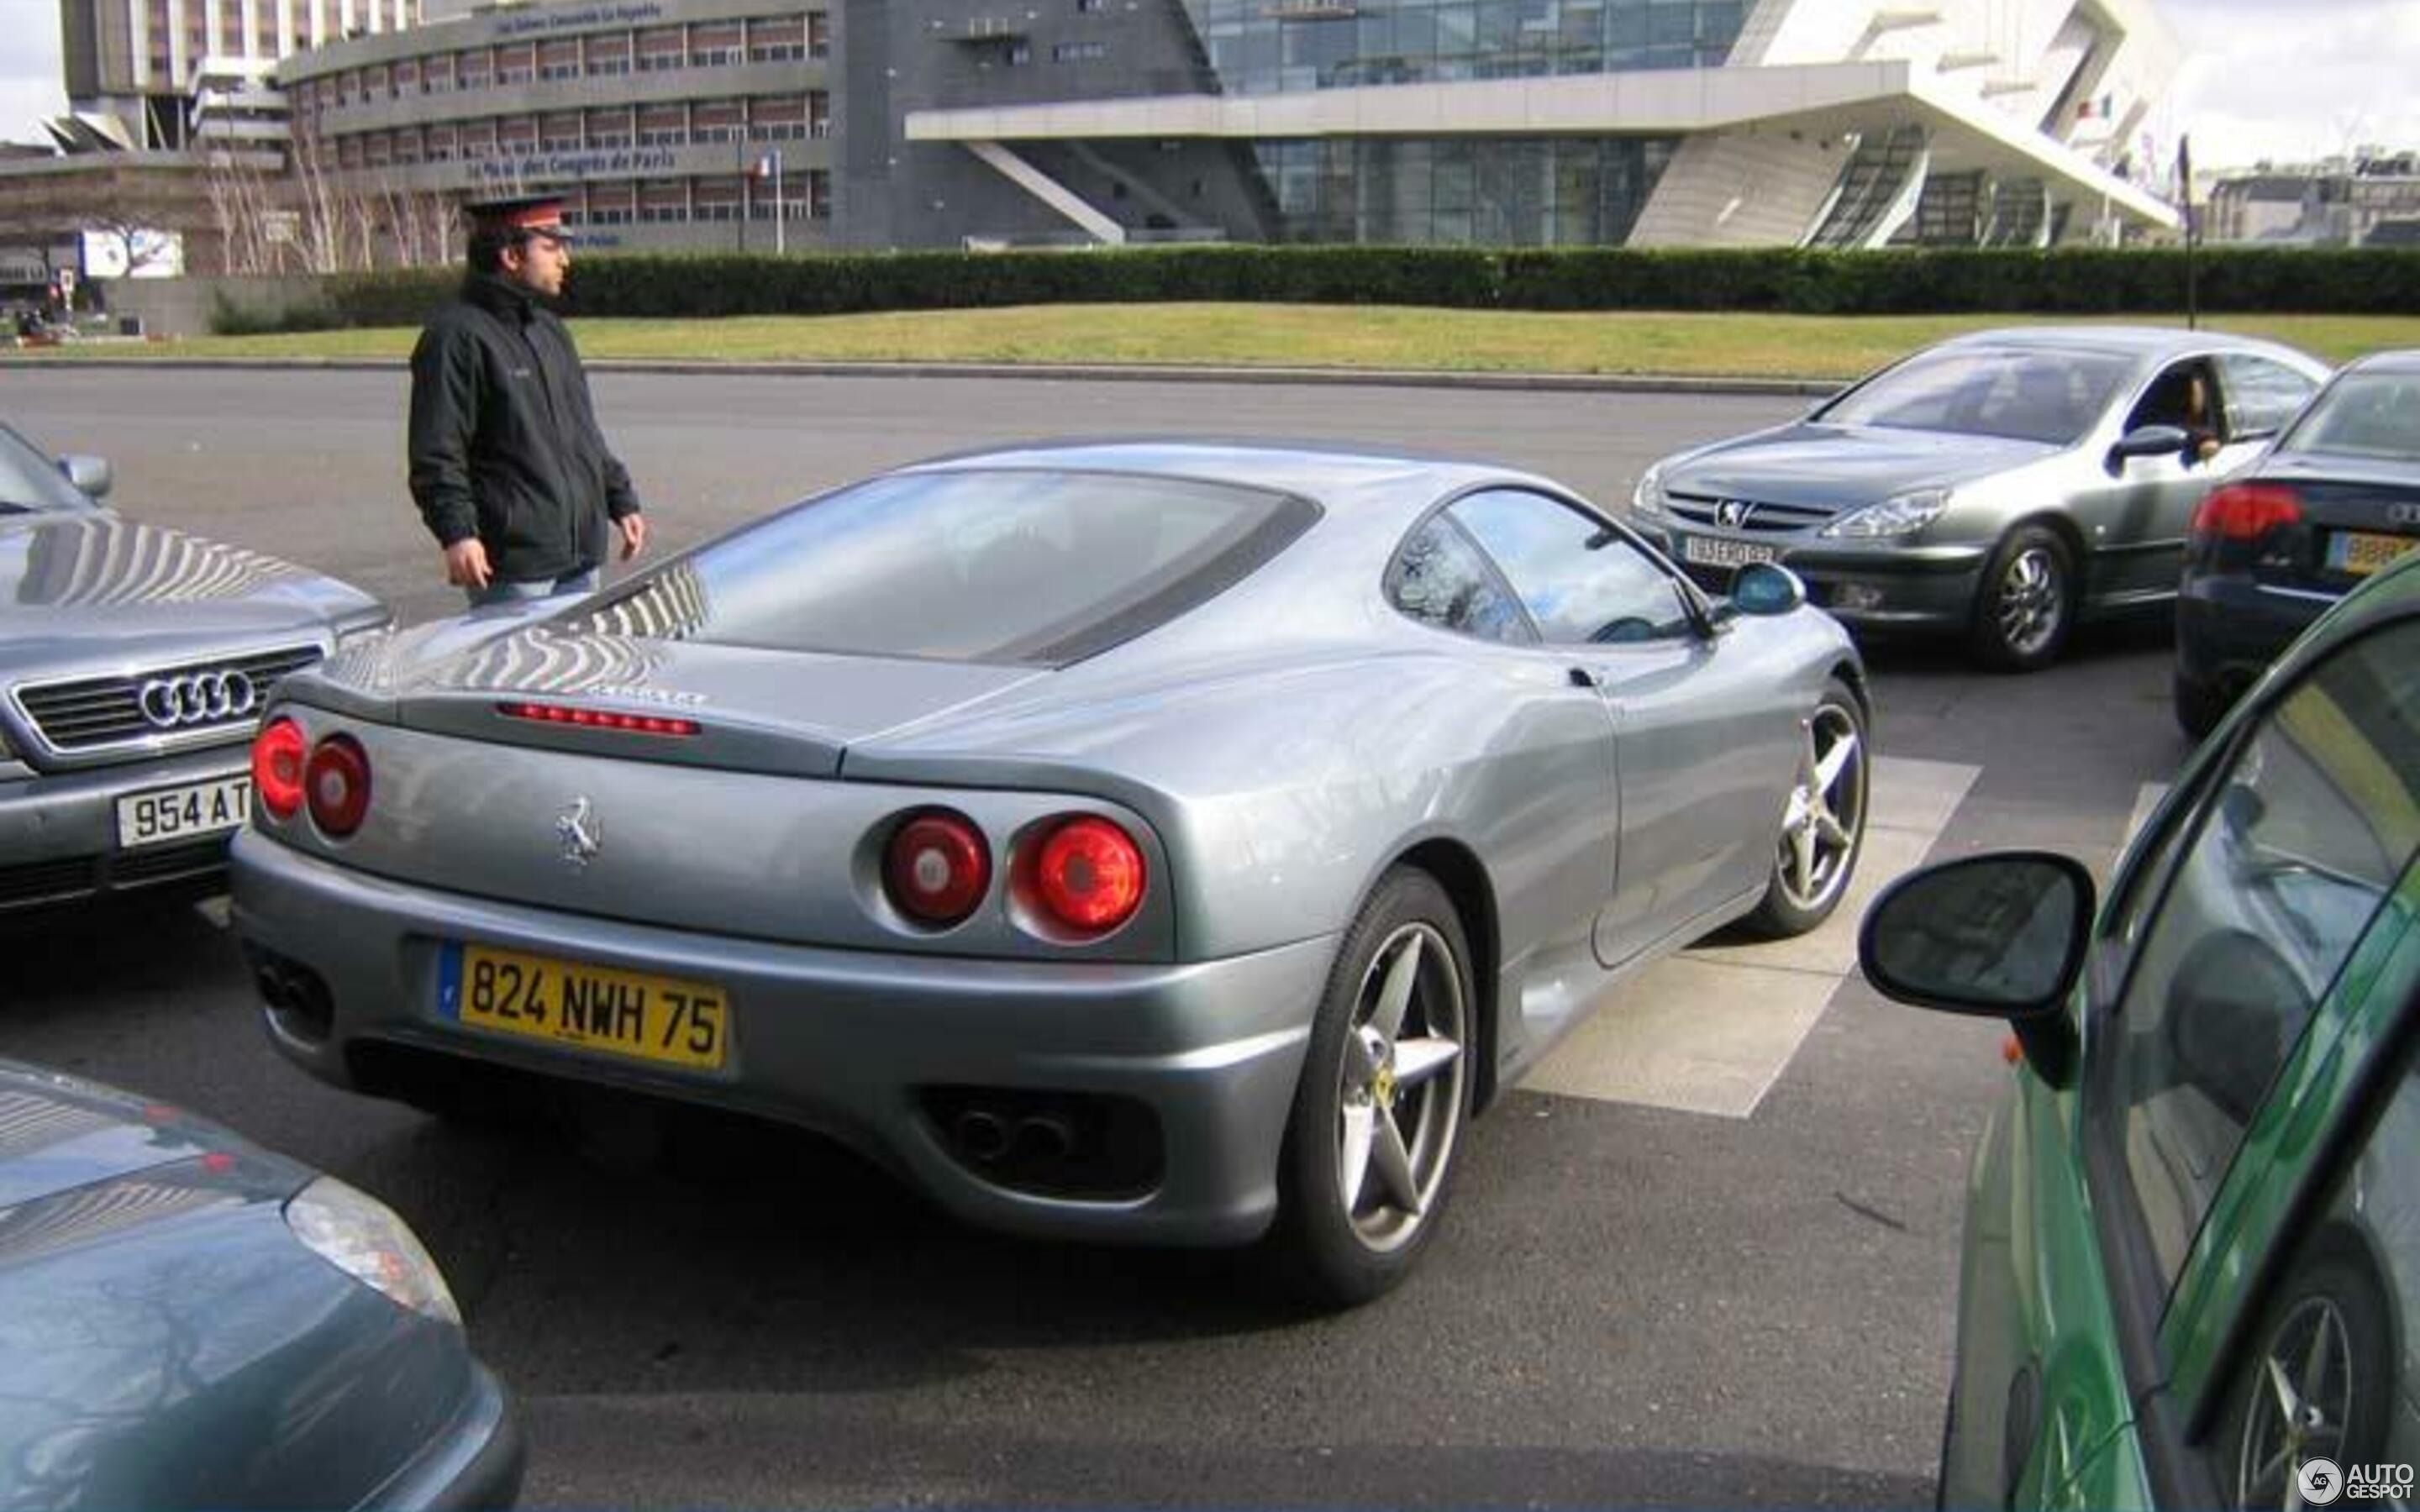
<point>2025,393</point>
<point>2362,414</point>
<point>1033,567</point>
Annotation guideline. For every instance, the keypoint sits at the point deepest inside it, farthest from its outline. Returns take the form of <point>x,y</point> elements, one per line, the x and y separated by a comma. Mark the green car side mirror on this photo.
<point>2001,936</point>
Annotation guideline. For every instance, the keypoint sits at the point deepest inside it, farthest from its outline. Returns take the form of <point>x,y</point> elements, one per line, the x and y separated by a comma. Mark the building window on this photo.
<point>716,45</point>
<point>663,201</point>
<point>609,55</point>
<point>777,40</point>
<point>819,39</point>
<point>664,47</point>
<point>608,127</point>
<point>1079,52</point>
<point>1090,7</point>
<point>1019,55</point>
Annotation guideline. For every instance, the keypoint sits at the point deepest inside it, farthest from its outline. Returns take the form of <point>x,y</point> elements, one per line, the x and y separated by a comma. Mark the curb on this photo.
<point>1059,372</point>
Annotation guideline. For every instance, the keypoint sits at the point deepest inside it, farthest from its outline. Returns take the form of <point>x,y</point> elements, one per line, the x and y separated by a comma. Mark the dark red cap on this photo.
<point>534,213</point>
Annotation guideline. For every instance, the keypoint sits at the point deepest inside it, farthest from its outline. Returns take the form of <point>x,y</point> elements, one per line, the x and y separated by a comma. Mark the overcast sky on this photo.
<point>2279,79</point>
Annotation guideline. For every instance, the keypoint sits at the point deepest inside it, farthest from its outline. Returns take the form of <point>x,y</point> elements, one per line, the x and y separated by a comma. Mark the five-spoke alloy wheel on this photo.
<point>1822,820</point>
<point>1384,1091</point>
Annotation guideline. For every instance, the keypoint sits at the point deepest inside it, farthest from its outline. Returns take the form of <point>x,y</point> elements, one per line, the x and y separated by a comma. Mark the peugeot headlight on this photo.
<point>362,1237</point>
<point>1648,498</point>
<point>1900,515</point>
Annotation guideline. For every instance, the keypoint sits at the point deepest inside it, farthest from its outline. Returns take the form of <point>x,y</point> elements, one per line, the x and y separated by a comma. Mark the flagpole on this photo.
<point>2193,289</point>
<point>780,242</point>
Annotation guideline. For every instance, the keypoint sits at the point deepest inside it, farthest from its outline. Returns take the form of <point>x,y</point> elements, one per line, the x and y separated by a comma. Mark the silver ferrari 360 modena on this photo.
<point>1158,842</point>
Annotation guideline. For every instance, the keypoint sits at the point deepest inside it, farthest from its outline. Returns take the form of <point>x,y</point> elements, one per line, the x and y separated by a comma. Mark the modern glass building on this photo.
<point>1655,122</point>
<point>757,124</point>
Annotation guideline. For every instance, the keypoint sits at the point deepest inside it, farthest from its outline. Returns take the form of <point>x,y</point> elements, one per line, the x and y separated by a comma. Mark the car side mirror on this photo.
<point>1765,588</point>
<point>2001,934</point>
<point>89,473</point>
<point>2150,440</point>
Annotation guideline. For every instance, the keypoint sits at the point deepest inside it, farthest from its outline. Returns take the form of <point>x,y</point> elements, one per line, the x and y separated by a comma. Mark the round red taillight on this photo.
<point>277,755</point>
<point>936,867</point>
<point>1089,875</point>
<point>338,782</point>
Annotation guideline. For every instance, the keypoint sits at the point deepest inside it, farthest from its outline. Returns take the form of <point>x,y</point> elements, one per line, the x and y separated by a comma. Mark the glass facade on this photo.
<point>1511,191</point>
<point>1257,47</point>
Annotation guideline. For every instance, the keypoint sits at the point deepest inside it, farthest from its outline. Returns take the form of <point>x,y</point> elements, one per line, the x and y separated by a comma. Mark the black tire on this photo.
<point>1335,1249</point>
<point>2199,706</point>
<point>1803,888</point>
<point>2337,1292</point>
<point>2026,607</point>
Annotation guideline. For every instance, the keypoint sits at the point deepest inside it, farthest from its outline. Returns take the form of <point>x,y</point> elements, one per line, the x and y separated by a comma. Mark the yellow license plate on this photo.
<point>2361,553</point>
<point>628,1013</point>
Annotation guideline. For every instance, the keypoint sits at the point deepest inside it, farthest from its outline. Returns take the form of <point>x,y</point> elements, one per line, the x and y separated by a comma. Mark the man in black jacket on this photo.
<point>508,467</point>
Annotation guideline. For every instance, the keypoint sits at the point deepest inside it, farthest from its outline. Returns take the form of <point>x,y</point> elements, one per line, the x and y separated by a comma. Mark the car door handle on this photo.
<point>1582,677</point>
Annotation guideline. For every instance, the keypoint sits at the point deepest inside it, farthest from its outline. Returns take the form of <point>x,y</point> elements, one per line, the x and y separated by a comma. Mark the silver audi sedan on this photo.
<point>1130,841</point>
<point>2001,485</point>
<point>135,662</point>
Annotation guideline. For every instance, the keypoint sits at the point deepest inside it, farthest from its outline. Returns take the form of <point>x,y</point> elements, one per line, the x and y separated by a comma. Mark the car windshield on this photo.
<point>2362,414</point>
<point>1010,566</point>
<point>2026,394</point>
<point>30,481</point>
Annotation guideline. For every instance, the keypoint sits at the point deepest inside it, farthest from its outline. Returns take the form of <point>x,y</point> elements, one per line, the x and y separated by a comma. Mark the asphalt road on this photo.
<point>1629,1305</point>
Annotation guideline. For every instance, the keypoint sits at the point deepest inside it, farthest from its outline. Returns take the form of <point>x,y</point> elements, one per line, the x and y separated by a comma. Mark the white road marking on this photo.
<point>1712,1029</point>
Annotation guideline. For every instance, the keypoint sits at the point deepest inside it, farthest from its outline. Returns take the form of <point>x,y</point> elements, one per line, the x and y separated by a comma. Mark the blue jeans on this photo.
<point>500,592</point>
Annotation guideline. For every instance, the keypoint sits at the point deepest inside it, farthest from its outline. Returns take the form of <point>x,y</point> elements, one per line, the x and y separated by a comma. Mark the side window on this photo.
<point>1438,577</point>
<point>2180,396</point>
<point>2295,847</point>
<point>1581,580</point>
<point>2261,396</point>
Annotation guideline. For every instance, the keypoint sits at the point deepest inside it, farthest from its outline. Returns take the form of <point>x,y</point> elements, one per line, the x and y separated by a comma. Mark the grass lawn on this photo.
<point>1338,336</point>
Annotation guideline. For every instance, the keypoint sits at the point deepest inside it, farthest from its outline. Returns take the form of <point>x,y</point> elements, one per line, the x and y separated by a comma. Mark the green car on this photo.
<point>2192,1264</point>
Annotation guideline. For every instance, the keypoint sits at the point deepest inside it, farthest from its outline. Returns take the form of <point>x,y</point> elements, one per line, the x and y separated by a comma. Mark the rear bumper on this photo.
<point>2229,627</point>
<point>58,831</point>
<point>850,1042</point>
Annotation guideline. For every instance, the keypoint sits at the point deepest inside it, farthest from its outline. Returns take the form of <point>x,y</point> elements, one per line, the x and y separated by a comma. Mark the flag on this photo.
<point>768,165</point>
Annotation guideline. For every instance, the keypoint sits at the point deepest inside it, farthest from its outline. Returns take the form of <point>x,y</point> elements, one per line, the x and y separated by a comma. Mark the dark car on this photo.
<point>2337,499</point>
<point>135,662</point>
<point>188,1320</point>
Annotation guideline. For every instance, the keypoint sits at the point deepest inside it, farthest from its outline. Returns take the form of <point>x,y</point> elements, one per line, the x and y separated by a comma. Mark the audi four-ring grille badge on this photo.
<point>194,698</point>
<point>190,699</point>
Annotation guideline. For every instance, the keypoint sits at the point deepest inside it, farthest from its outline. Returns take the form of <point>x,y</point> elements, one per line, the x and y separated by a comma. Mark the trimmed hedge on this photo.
<point>2364,281</point>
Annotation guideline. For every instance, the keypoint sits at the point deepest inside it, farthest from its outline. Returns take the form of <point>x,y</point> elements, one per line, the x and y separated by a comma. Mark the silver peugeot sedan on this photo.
<point>1151,841</point>
<point>2001,486</point>
<point>134,661</point>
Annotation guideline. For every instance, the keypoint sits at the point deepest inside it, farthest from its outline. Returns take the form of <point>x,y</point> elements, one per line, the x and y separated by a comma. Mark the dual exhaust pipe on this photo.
<point>988,1137</point>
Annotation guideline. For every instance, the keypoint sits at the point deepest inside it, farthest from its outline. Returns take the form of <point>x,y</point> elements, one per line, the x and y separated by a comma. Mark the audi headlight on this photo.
<point>362,1237</point>
<point>1648,498</point>
<point>1900,515</point>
